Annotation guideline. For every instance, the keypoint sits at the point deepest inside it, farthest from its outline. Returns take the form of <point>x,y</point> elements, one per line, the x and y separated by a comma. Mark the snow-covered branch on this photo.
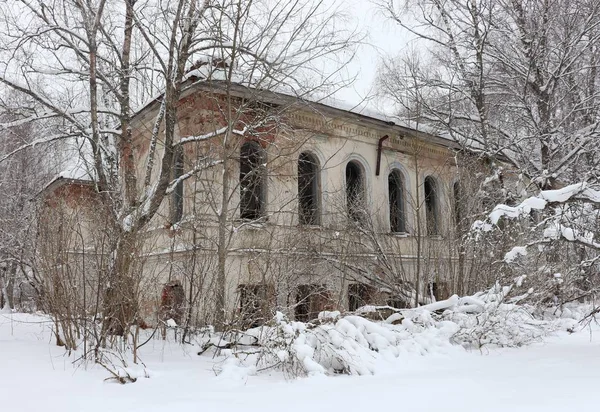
<point>37,142</point>
<point>197,169</point>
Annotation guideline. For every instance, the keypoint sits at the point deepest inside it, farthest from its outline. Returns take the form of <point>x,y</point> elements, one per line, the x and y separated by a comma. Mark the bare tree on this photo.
<point>104,59</point>
<point>22,177</point>
<point>515,80</point>
<point>516,83</point>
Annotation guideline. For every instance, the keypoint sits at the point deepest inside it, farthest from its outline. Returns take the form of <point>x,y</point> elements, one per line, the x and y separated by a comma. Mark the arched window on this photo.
<point>456,191</point>
<point>355,191</point>
<point>252,181</point>
<point>308,189</point>
<point>396,199</point>
<point>431,206</point>
<point>177,194</point>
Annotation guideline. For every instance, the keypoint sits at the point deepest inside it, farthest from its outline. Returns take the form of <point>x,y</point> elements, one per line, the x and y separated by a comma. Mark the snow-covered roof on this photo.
<point>76,170</point>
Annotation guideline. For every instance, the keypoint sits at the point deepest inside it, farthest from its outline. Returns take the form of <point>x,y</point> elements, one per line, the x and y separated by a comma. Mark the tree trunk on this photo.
<point>120,298</point>
<point>222,243</point>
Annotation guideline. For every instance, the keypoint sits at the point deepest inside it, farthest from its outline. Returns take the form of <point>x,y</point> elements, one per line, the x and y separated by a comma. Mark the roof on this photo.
<point>212,79</point>
<point>61,181</point>
<point>75,173</point>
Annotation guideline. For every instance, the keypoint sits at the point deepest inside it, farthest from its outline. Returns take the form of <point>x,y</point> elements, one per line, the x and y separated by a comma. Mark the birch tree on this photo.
<point>516,81</point>
<point>511,79</point>
<point>90,65</point>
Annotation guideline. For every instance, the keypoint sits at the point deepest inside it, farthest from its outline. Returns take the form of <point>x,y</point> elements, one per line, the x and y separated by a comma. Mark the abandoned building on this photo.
<point>301,207</point>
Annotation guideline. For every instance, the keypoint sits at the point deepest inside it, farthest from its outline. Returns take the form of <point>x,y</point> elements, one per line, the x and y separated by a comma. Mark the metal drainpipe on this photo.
<point>379,148</point>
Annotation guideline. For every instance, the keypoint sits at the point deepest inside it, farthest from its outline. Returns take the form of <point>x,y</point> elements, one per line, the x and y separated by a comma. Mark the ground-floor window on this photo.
<point>310,300</point>
<point>255,302</point>
<point>438,290</point>
<point>359,295</point>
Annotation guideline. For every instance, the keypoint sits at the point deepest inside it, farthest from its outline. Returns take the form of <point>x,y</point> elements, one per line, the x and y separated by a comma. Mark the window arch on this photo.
<point>308,189</point>
<point>431,206</point>
<point>457,193</point>
<point>396,199</point>
<point>355,191</point>
<point>252,181</point>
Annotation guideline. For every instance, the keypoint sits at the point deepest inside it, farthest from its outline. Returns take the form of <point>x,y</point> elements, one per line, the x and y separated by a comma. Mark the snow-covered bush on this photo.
<point>553,242</point>
<point>492,318</point>
<point>353,344</point>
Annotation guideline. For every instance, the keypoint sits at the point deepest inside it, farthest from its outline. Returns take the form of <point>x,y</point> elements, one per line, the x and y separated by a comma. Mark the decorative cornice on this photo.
<point>346,128</point>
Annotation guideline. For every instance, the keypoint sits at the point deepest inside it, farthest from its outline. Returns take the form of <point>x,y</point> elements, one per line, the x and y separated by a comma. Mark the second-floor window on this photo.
<point>355,191</point>
<point>457,192</point>
<point>396,200</point>
<point>252,181</point>
<point>308,189</point>
<point>431,206</point>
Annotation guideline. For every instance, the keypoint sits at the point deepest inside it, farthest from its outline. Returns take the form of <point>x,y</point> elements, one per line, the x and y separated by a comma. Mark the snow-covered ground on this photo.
<point>560,374</point>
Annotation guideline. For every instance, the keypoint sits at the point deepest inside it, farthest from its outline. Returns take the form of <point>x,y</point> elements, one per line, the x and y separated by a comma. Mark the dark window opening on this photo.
<point>310,300</point>
<point>177,194</point>
<point>457,204</point>
<point>396,199</point>
<point>438,290</point>
<point>172,302</point>
<point>308,189</point>
<point>358,295</point>
<point>254,304</point>
<point>252,181</point>
<point>431,206</point>
<point>355,191</point>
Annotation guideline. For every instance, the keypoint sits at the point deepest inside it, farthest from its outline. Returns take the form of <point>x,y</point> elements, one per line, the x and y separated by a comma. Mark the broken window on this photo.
<point>457,204</point>
<point>252,181</point>
<point>438,290</point>
<point>359,295</point>
<point>172,301</point>
<point>310,300</point>
<point>177,194</point>
<point>254,304</point>
<point>355,191</point>
<point>308,189</point>
<point>396,200</point>
<point>431,206</point>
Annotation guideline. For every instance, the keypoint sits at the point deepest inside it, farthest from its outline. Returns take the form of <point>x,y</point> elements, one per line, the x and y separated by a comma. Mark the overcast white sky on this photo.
<point>385,38</point>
